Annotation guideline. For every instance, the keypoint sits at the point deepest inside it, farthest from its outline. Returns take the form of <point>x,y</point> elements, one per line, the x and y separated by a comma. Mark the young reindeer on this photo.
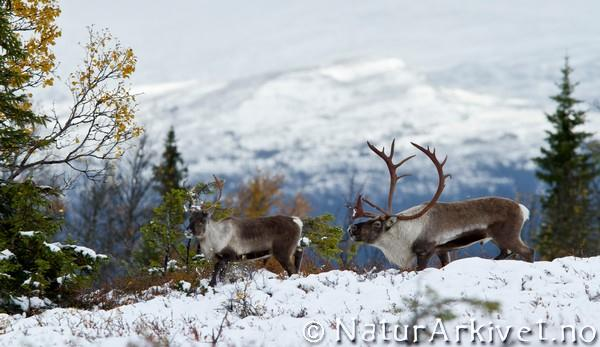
<point>244,239</point>
<point>437,228</point>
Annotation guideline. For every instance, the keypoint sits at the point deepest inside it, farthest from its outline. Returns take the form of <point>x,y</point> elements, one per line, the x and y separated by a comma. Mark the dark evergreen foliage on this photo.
<point>17,121</point>
<point>162,238</point>
<point>34,271</point>
<point>568,170</point>
<point>171,172</point>
<point>31,265</point>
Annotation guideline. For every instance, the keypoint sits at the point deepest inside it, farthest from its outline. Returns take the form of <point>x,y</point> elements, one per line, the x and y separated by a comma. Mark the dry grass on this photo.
<point>131,289</point>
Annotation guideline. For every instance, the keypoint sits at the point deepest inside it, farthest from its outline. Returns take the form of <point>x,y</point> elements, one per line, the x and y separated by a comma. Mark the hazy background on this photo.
<point>494,46</point>
<point>298,87</point>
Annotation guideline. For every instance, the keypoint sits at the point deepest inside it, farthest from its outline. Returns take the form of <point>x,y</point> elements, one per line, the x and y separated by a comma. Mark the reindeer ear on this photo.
<point>390,222</point>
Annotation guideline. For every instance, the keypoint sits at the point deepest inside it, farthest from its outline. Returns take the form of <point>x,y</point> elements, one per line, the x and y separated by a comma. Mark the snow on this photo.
<point>563,292</point>
<point>54,247</point>
<point>312,124</point>
<point>85,251</point>
<point>88,252</point>
<point>28,233</point>
<point>60,280</point>
<point>185,286</point>
<point>355,71</point>
<point>453,76</point>
<point>304,242</point>
<point>44,187</point>
<point>6,254</point>
<point>27,303</point>
<point>171,265</point>
<point>297,90</point>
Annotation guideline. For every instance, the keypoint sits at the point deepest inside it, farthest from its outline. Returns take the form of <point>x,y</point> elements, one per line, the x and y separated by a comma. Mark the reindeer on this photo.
<point>437,228</point>
<point>244,239</point>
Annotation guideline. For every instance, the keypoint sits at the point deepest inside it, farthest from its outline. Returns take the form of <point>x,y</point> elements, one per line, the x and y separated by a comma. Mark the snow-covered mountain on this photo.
<point>301,87</point>
<point>312,126</point>
<point>547,297</point>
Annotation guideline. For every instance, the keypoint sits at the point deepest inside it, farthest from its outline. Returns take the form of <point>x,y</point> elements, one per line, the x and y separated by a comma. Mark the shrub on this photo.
<point>37,273</point>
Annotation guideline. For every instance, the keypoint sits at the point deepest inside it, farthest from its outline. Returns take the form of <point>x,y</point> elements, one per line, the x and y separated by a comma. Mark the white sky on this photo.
<point>223,40</point>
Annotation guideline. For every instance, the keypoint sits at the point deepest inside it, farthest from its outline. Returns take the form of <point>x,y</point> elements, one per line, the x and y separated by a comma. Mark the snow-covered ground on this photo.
<point>279,312</point>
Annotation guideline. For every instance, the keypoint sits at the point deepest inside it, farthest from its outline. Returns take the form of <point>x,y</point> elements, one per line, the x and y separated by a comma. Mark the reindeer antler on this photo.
<point>441,182</point>
<point>358,210</point>
<point>392,168</point>
<point>219,184</point>
<point>394,177</point>
<point>195,203</point>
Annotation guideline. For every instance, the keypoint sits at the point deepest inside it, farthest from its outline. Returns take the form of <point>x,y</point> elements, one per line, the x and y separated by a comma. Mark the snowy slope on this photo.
<point>563,292</point>
<point>291,104</point>
<point>312,125</point>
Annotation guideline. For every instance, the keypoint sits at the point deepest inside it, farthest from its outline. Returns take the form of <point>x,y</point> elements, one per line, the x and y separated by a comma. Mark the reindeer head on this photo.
<point>200,215</point>
<point>199,219</point>
<point>370,230</point>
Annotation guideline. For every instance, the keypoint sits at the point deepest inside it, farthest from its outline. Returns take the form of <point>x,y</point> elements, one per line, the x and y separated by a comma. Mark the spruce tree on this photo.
<point>34,271</point>
<point>568,171</point>
<point>162,238</point>
<point>171,172</point>
<point>29,266</point>
<point>17,121</point>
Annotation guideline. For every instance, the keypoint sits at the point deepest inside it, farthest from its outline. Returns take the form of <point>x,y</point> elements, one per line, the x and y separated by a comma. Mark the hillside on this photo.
<point>563,292</point>
<point>312,125</point>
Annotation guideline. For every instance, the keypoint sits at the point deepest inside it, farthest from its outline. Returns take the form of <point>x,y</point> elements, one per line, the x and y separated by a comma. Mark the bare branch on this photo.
<point>100,121</point>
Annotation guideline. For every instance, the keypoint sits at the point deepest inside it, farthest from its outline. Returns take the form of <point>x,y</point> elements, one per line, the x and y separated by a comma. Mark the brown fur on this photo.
<point>277,234</point>
<point>449,226</point>
<point>259,237</point>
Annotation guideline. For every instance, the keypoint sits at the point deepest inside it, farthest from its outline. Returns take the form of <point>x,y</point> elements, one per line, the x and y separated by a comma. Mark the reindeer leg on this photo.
<point>444,258</point>
<point>508,236</point>
<point>424,250</point>
<point>220,266</point>
<point>298,258</point>
<point>286,262</point>
<point>290,269</point>
<point>525,252</point>
<point>422,260</point>
<point>504,253</point>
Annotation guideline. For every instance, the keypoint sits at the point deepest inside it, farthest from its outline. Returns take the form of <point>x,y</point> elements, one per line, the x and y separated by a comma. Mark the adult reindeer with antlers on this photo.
<point>243,239</point>
<point>437,228</point>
